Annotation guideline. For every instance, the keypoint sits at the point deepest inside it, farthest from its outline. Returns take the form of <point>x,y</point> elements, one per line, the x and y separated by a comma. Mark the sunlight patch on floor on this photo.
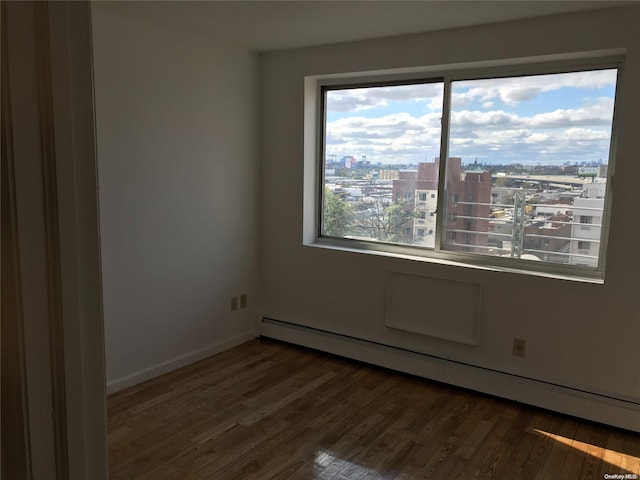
<point>336,467</point>
<point>606,454</point>
<point>569,442</point>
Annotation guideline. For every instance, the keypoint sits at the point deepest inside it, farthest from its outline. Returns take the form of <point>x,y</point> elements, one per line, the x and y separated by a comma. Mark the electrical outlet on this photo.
<point>234,304</point>
<point>519,346</point>
<point>243,300</point>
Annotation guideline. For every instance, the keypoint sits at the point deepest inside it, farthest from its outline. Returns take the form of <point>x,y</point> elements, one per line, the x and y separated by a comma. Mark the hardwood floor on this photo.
<point>268,410</point>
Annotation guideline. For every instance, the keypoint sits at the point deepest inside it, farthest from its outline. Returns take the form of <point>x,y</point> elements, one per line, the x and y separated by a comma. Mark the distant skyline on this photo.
<point>546,119</point>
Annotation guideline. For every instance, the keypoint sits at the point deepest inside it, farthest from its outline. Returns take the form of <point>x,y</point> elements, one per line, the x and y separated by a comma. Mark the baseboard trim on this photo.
<point>178,362</point>
<point>579,403</point>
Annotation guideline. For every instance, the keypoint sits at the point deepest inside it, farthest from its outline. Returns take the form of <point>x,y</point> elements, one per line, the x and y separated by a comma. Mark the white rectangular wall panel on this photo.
<point>439,308</point>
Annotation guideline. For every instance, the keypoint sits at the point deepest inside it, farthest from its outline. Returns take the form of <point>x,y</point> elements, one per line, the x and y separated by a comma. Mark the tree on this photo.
<point>384,221</point>
<point>507,199</point>
<point>338,215</point>
<point>500,182</point>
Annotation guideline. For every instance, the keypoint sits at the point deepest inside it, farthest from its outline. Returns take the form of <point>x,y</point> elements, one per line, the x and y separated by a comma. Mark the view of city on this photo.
<point>525,175</point>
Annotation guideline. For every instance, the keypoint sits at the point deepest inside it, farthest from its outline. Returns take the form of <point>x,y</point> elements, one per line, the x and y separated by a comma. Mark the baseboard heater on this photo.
<point>607,409</point>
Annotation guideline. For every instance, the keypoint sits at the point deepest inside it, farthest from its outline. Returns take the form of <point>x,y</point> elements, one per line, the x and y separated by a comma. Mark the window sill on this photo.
<point>449,259</point>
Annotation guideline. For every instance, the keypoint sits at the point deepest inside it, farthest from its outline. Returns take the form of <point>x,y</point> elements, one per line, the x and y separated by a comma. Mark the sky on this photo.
<point>541,119</point>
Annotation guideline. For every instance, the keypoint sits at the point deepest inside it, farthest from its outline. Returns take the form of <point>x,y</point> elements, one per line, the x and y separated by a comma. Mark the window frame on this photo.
<point>589,61</point>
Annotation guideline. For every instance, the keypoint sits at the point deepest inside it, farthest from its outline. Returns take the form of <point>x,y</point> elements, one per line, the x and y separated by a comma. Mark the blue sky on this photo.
<point>547,119</point>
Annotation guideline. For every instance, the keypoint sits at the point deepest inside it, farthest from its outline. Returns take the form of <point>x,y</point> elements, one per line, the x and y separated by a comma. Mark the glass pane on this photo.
<point>380,179</point>
<point>526,176</point>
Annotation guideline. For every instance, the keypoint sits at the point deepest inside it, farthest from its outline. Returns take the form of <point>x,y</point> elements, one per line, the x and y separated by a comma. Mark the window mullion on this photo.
<point>442,164</point>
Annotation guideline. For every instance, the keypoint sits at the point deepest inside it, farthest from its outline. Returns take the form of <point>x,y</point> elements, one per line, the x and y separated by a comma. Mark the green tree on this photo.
<point>337,215</point>
<point>500,182</point>
<point>384,221</point>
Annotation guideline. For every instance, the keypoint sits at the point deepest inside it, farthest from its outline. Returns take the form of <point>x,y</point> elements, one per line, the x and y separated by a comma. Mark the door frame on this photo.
<point>48,123</point>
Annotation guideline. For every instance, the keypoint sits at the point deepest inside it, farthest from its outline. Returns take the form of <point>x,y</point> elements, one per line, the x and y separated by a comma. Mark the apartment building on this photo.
<point>467,206</point>
<point>585,232</point>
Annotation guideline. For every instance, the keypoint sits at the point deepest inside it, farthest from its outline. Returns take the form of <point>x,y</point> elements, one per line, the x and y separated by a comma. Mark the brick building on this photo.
<point>467,204</point>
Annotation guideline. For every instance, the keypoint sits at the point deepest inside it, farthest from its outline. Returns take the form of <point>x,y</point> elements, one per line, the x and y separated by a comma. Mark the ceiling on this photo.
<point>272,25</point>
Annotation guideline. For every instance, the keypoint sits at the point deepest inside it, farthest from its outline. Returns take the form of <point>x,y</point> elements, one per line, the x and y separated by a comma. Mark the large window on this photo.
<point>506,168</point>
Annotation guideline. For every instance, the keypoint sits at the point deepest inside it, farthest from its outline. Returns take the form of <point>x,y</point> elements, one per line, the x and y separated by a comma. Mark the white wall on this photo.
<point>177,137</point>
<point>581,335</point>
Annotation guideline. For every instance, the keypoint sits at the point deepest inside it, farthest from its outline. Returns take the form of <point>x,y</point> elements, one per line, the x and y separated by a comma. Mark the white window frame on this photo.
<point>315,121</point>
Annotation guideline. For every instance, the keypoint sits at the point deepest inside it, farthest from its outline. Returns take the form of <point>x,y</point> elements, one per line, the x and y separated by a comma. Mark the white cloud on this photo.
<point>466,118</point>
<point>516,90</point>
<point>599,113</point>
<point>571,134</point>
<point>396,138</point>
<point>358,99</point>
<point>537,138</point>
<point>491,134</point>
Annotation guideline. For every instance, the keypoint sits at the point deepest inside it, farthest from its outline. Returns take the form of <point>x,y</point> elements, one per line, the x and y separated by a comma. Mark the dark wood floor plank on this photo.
<point>271,411</point>
<point>559,450</point>
<point>514,418</point>
<point>630,454</point>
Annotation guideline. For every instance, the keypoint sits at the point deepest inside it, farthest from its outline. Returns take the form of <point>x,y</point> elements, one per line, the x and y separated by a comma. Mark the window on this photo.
<point>585,220</point>
<point>501,150</point>
<point>584,245</point>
